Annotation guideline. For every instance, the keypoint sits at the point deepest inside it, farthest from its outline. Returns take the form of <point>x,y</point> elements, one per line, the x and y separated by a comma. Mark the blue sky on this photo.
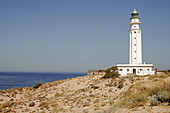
<point>77,35</point>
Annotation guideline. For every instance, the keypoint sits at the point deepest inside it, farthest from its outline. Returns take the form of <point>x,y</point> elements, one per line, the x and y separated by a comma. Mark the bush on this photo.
<point>86,104</point>
<point>31,104</point>
<point>162,96</point>
<point>37,85</point>
<point>111,73</point>
<point>154,101</point>
<point>120,86</point>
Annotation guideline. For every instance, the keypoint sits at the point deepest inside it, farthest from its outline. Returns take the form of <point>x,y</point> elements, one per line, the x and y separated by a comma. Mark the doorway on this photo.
<point>134,71</point>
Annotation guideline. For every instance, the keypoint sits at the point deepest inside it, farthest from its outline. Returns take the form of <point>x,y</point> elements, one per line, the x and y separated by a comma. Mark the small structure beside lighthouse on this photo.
<point>135,66</point>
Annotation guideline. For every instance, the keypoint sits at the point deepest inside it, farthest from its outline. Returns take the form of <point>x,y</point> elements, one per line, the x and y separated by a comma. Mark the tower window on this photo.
<point>127,69</point>
<point>135,58</point>
<point>134,26</point>
<point>134,44</point>
<point>135,51</point>
<point>138,31</point>
<point>121,69</point>
<point>148,69</point>
<point>140,69</point>
<point>134,31</point>
<point>135,38</point>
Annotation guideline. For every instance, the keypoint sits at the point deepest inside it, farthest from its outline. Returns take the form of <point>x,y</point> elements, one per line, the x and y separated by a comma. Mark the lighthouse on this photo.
<point>135,66</point>
<point>135,49</point>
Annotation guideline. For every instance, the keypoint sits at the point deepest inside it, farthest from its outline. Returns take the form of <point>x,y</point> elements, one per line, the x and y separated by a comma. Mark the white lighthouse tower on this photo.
<point>135,65</point>
<point>135,50</point>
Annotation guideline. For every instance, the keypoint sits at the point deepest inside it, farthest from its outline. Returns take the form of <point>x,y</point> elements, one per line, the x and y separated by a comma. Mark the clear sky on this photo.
<point>77,35</point>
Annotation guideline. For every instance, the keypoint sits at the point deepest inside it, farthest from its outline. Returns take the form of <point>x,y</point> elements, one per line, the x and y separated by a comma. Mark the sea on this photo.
<point>10,80</point>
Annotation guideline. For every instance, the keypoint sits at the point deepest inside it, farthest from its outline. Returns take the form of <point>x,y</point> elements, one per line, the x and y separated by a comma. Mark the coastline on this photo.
<point>88,93</point>
<point>10,80</point>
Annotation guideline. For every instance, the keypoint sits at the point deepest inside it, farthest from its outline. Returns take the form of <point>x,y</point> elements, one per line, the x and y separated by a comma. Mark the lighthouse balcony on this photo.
<point>133,22</point>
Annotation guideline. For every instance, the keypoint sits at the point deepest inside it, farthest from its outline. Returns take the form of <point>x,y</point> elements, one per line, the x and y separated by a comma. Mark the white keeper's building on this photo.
<point>135,66</point>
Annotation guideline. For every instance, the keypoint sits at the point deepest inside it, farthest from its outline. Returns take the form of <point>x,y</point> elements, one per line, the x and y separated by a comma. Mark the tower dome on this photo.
<point>135,18</point>
<point>135,14</point>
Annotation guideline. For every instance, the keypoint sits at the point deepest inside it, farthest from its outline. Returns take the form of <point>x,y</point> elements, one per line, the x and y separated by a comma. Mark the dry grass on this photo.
<point>140,87</point>
<point>59,110</point>
<point>44,104</point>
<point>131,101</point>
<point>58,94</point>
<point>6,104</point>
<point>163,85</point>
<point>160,76</point>
<point>149,86</point>
<point>137,94</point>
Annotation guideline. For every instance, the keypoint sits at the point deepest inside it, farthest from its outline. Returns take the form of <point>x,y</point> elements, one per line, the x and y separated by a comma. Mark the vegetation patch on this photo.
<point>111,73</point>
<point>37,85</point>
<point>160,97</point>
<point>131,101</point>
<point>6,104</point>
<point>140,93</point>
<point>44,104</point>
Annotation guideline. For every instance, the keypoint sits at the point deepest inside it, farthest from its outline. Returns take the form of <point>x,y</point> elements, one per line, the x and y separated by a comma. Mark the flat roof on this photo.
<point>134,65</point>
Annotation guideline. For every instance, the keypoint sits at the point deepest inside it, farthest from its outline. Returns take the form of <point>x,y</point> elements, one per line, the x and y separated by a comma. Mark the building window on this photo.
<point>127,69</point>
<point>121,69</point>
<point>135,38</point>
<point>134,44</point>
<point>140,69</point>
<point>134,26</point>
<point>134,31</point>
<point>138,31</point>
<point>134,58</point>
<point>135,51</point>
<point>148,69</point>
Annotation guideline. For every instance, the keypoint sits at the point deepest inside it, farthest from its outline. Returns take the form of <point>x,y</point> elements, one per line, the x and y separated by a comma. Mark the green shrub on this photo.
<point>111,73</point>
<point>120,86</point>
<point>162,96</point>
<point>86,104</point>
<point>31,104</point>
<point>154,101</point>
<point>37,85</point>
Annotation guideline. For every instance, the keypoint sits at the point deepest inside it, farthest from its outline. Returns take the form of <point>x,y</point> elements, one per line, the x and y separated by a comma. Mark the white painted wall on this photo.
<point>125,71</point>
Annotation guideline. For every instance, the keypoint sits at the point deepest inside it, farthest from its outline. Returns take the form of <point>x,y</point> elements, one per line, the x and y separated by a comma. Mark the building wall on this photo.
<point>125,71</point>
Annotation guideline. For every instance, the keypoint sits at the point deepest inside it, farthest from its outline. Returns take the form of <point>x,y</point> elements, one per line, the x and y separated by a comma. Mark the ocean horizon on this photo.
<point>10,80</point>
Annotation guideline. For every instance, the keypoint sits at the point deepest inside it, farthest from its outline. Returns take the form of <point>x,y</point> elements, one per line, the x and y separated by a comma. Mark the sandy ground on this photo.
<point>87,94</point>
